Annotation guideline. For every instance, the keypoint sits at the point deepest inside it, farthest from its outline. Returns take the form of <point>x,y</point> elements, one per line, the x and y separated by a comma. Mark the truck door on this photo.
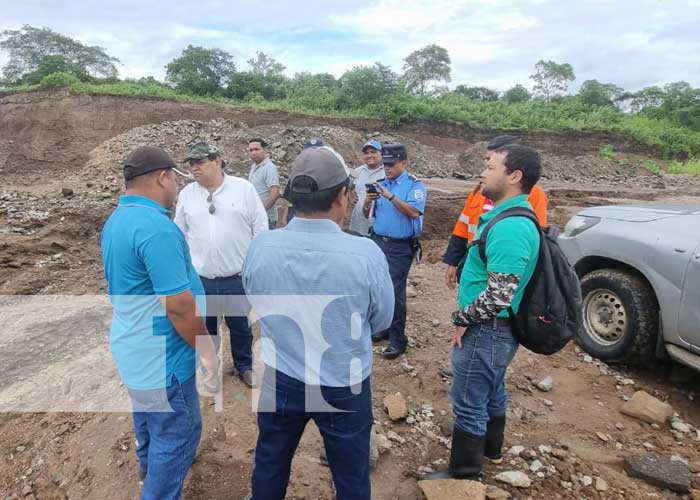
<point>689,314</point>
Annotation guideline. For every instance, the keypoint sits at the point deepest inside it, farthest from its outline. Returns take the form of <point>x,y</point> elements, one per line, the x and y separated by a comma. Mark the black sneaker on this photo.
<point>393,352</point>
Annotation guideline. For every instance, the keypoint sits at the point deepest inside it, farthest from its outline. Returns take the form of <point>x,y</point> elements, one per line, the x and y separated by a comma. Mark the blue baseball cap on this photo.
<point>372,143</point>
<point>314,142</point>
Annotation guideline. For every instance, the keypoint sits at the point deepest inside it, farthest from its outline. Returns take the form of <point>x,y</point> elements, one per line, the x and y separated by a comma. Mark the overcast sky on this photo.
<point>495,43</point>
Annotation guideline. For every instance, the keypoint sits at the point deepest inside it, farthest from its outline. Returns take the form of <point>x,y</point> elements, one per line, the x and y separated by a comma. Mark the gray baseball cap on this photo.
<point>323,165</point>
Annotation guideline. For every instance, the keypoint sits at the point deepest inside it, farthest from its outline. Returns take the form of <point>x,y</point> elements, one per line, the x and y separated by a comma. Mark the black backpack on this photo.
<point>550,311</point>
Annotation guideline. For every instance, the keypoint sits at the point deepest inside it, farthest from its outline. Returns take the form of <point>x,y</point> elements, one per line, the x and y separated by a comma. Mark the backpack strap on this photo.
<point>509,212</point>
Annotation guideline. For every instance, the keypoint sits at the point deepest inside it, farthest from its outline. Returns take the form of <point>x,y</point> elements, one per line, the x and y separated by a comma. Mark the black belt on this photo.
<point>496,322</point>
<point>237,275</point>
<point>386,239</point>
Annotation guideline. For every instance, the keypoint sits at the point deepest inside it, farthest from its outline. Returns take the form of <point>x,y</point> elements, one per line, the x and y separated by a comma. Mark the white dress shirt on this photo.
<point>219,241</point>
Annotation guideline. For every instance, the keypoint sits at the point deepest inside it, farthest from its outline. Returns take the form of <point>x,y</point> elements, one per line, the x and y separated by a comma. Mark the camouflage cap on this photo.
<point>201,150</point>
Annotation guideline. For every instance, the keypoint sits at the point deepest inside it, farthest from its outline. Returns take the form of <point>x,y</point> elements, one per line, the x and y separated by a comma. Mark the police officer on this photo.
<point>397,203</point>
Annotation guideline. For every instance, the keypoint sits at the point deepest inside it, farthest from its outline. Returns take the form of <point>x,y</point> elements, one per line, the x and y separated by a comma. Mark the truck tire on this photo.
<point>620,317</point>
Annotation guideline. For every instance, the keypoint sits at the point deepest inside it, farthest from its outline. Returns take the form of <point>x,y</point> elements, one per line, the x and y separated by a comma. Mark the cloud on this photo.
<point>496,43</point>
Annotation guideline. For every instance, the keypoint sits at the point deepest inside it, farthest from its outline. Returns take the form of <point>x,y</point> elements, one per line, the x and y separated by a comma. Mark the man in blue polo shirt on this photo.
<point>398,207</point>
<point>155,324</point>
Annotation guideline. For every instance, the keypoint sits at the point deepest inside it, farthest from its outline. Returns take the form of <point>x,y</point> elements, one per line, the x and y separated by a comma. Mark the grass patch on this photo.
<point>691,167</point>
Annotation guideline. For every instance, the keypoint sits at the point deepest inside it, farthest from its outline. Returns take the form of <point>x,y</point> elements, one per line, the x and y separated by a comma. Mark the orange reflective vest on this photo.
<point>474,207</point>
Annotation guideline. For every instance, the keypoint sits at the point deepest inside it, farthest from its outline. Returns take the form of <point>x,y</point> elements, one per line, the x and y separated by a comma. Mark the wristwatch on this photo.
<point>458,319</point>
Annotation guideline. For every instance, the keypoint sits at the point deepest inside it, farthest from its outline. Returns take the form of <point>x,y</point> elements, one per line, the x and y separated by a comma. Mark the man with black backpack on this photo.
<point>483,342</point>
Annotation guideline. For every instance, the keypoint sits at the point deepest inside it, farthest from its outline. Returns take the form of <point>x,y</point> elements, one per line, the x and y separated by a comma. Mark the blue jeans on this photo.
<point>478,389</point>
<point>239,330</point>
<point>168,425</point>
<point>399,256</point>
<point>345,433</point>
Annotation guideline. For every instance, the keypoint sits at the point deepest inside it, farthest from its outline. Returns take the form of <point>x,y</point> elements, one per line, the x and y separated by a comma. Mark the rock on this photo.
<point>407,367</point>
<point>495,493</point>
<point>452,489</point>
<point>659,471</point>
<point>66,192</point>
<point>544,449</point>
<point>647,408</point>
<point>559,453</point>
<point>516,450</point>
<point>395,405</point>
<point>586,481</point>
<point>435,323</point>
<point>587,359</point>
<point>694,495</point>
<point>21,448</point>
<point>514,478</point>
<point>536,466</point>
<point>411,292</point>
<point>680,427</point>
<point>27,490</point>
<point>383,443</point>
<point>447,425</point>
<point>546,384</point>
<point>694,467</point>
<point>602,437</point>
<point>600,484</point>
<point>395,437</point>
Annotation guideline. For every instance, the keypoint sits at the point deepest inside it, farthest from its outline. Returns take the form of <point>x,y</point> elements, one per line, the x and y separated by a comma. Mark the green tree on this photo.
<point>200,71</point>
<point>476,93</point>
<point>424,66</point>
<point>29,46</point>
<point>243,83</point>
<point>552,79</point>
<point>365,84</point>
<point>55,64</point>
<point>596,94</point>
<point>517,93</point>
<point>265,65</point>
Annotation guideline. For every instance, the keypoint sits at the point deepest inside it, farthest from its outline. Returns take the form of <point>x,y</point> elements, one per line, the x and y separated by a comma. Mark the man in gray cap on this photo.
<point>220,215</point>
<point>318,371</point>
<point>155,327</point>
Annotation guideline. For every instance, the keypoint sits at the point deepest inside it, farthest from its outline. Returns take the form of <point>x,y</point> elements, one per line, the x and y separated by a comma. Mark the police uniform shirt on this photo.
<point>388,219</point>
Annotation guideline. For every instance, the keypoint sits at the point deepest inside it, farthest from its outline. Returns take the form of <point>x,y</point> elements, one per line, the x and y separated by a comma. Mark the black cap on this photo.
<point>145,159</point>
<point>391,153</point>
<point>502,140</point>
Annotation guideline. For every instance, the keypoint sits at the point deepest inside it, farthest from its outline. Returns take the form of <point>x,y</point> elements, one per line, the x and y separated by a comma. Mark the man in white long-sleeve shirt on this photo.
<point>220,215</point>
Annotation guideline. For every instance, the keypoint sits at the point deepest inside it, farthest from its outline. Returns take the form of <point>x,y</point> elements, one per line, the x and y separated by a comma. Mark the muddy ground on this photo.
<point>65,430</point>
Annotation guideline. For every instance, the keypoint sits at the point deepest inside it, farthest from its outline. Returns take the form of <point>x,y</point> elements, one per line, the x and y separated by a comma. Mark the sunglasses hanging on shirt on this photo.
<point>212,208</point>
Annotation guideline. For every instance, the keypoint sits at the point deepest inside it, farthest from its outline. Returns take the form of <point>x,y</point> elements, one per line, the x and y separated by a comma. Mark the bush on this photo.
<point>59,79</point>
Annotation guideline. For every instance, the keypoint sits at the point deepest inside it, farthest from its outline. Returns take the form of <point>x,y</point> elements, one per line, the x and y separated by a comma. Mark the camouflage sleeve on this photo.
<point>498,295</point>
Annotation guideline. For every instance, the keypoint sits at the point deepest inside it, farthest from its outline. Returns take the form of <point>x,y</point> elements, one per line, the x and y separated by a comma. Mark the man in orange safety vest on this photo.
<point>476,205</point>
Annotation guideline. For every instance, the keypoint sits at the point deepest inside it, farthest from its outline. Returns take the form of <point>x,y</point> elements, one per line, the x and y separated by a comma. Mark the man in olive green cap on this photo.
<point>220,215</point>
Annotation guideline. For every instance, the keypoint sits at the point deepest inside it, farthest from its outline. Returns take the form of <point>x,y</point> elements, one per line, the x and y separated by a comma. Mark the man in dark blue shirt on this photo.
<point>398,203</point>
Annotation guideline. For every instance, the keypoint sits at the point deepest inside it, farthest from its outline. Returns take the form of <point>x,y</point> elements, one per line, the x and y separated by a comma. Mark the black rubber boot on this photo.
<point>465,457</point>
<point>493,449</point>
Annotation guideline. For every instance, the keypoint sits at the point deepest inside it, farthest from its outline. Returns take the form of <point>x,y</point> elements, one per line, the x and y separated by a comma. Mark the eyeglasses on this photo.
<point>212,208</point>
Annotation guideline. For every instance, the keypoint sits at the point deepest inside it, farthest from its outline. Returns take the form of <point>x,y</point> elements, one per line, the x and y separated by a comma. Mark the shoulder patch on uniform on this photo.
<point>413,177</point>
<point>418,194</point>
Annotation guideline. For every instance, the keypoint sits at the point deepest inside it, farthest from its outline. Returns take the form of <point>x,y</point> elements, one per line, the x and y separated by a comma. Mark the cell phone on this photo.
<point>371,188</point>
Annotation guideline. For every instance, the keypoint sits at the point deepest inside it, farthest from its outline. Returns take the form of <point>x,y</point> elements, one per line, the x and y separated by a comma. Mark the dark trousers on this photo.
<point>345,432</point>
<point>217,290</point>
<point>399,256</point>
